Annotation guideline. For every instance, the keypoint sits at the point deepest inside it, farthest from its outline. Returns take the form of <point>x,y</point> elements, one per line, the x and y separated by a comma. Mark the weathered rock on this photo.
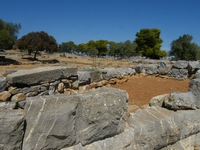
<point>163,68</point>
<point>75,85</point>
<point>51,122</point>
<point>59,121</point>
<point>18,97</point>
<point>52,90</point>
<point>11,127</point>
<point>179,73</point>
<point>3,83</point>
<point>4,96</point>
<point>40,75</point>
<point>31,94</point>
<point>25,90</point>
<point>96,76</point>
<point>139,68</point>
<point>180,101</point>
<point>14,90</point>
<point>194,88</point>
<point>151,69</point>
<point>102,114</point>
<point>109,73</point>
<point>158,100</point>
<point>61,87</point>
<point>152,128</point>
<point>84,77</point>
<point>193,67</point>
<point>189,143</point>
<point>181,64</point>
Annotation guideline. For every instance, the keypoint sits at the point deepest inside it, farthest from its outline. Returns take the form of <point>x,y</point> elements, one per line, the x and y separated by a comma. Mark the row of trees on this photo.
<point>147,43</point>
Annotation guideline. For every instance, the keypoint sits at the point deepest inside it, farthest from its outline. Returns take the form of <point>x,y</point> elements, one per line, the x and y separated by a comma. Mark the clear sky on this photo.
<point>113,20</point>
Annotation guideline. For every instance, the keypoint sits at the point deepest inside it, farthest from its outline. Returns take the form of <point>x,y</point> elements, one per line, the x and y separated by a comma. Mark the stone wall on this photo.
<point>70,108</point>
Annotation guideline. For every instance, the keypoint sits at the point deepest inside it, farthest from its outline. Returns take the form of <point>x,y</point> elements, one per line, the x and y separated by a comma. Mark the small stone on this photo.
<point>75,85</point>
<point>67,91</point>
<point>61,87</point>
<point>18,97</point>
<point>5,96</point>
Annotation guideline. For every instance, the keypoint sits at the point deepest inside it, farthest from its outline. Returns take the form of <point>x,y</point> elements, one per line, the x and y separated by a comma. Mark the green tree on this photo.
<point>183,48</point>
<point>8,34</point>
<point>37,41</point>
<point>68,47</point>
<point>149,43</point>
<point>102,48</point>
<point>82,48</point>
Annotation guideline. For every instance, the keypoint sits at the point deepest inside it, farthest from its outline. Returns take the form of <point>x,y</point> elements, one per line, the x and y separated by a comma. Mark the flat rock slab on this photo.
<point>40,75</point>
<point>11,127</point>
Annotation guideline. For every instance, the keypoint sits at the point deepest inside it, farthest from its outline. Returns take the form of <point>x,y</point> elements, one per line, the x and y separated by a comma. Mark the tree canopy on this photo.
<point>37,41</point>
<point>8,34</point>
<point>149,43</point>
<point>68,47</point>
<point>184,49</point>
<point>122,49</point>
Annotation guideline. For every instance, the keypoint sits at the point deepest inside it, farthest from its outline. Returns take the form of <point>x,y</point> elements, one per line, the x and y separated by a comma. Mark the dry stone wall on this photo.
<point>65,108</point>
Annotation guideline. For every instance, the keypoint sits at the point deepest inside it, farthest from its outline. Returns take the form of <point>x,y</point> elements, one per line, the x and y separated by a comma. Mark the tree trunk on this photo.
<point>34,58</point>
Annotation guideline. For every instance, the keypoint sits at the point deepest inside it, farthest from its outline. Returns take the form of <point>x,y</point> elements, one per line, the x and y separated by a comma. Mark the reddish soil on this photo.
<point>142,88</point>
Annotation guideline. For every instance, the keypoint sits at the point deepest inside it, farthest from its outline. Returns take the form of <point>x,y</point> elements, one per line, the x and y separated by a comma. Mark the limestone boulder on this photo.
<point>12,127</point>
<point>84,77</point>
<point>151,69</point>
<point>40,75</point>
<point>181,64</point>
<point>179,73</point>
<point>163,68</point>
<point>158,100</point>
<point>194,88</point>
<point>180,101</point>
<point>101,114</point>
<point>51,122</point>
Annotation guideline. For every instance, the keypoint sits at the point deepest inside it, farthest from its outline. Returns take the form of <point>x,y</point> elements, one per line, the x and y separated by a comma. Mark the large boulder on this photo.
<point>102,114</point>
<point>179,73</point>
<point>158,100</point>
<point>194,88</point>
<point>51,122</point>
<point>55,122</point>
<point>151,69</point>
<point>12,127</point>
<point>193,67</point>
<point>84,77</point>
<point>163,68</point>
<point>180,101</point>
<point>40,75</point>
<point>180,64</point>
<point>3,83</point>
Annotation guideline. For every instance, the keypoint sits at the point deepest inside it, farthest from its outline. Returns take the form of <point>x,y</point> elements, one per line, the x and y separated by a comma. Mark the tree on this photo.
<point>82,48</point>
<point>8,34</point>
<point>149,43</point>
<point>101,46</point>
<point>68,47</point>
<point>37,41</point>
<point>183,48</point>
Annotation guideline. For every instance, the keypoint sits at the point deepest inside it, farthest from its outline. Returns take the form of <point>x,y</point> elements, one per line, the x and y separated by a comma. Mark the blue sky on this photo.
<point>113,20</point>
